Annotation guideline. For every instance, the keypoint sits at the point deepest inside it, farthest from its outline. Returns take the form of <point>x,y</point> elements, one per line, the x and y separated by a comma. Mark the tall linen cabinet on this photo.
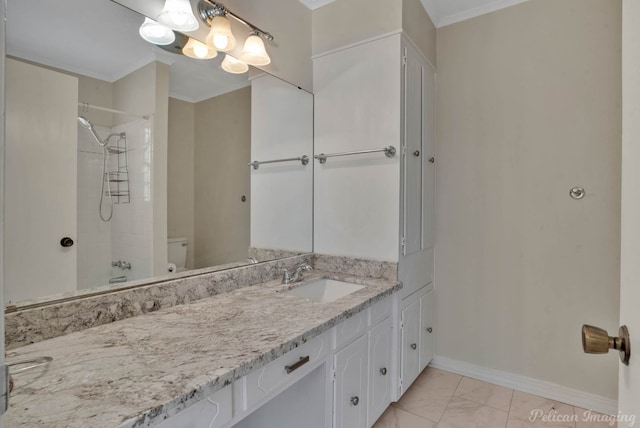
<point>372,95</point>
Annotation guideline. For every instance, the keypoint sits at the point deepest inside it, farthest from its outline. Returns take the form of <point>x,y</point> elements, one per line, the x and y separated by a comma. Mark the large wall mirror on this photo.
<point>127,162</point>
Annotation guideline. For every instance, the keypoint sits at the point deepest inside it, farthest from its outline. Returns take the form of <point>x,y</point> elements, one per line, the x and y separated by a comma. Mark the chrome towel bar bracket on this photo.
<point>388,151</point>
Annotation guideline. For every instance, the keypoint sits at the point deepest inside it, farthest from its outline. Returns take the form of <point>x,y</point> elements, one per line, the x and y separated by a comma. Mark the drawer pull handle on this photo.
<point>383,371</point>
<point>300,363</point>
<point>355,400</point>
<point>430,330</point>
<point>414,346</point>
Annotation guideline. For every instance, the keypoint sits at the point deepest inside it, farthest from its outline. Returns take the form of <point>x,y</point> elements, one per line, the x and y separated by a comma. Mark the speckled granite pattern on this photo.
<point>263,254</point>
<point>356,266</point>
<point>138,371</point>
<point>33,325</point>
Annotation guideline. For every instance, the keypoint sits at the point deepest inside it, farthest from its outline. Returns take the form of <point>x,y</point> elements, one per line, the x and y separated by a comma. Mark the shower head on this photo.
<point>85,122</point>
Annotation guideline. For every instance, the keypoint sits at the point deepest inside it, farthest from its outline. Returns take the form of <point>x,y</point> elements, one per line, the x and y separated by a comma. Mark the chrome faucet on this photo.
<point>297,275</point>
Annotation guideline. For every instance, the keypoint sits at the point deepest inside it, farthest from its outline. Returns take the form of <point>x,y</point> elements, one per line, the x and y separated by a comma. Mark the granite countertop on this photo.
<point>134,372</point>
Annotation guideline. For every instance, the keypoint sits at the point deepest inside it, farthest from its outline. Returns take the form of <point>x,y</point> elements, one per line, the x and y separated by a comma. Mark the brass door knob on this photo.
<point>597,341</point>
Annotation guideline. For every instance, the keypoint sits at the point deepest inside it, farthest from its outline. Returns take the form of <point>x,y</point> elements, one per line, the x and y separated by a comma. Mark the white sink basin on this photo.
<point>325,290</point>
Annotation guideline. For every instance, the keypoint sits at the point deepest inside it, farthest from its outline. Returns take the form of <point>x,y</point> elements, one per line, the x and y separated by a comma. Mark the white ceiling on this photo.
<point>444,12</point>
<point>99,38</point>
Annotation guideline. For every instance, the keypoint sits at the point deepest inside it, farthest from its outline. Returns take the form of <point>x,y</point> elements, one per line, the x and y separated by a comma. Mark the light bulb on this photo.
<point>178,15</point>
<point>156,33</point>
<point>232,65</point>
<point>253,52</point>
<point>198,50</point>
<point>220,36</point>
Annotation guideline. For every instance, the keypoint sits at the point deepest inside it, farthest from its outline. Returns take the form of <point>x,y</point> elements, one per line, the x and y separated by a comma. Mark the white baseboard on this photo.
<point>530,385</point>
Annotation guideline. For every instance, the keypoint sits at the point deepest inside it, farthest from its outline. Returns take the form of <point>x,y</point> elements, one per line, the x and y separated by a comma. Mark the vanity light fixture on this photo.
<point>198,50</point>
<point>156,33</point>
<point>178,15</point>
<point>220,37</point>
<point>253,52</point>
<point>232,65</point>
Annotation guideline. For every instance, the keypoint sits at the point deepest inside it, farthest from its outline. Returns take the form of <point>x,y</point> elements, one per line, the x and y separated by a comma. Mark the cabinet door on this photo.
<point>410,350</point>
<point>412,152</point>
<point>428,159</point>
<point>426,329</point>
<point>350,388</point>
<point>380,369</point>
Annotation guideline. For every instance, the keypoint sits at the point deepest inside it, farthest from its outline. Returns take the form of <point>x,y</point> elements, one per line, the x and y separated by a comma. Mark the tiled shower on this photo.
<point>127,237</point>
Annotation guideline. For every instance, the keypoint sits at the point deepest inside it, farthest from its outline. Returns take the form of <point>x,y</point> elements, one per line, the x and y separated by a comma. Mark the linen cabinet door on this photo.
<point>410,350</point>
<point>350,387</point>
<point>411,240</point>
<point>426,329</point>
<point>380,369</point>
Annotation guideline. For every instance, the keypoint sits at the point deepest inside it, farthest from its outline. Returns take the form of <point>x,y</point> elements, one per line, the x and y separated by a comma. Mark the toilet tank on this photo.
<point>177,249</point>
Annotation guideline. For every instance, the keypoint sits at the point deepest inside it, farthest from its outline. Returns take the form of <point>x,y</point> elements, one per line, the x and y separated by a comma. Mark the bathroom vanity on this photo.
<point>221,360</point>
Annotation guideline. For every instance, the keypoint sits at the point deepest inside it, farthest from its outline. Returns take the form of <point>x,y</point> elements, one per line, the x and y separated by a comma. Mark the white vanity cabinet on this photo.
<point>410,345</point>
<point>342,378</point>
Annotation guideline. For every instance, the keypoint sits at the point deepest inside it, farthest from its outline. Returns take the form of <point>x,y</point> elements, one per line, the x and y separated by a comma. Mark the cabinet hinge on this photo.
<point>4,388</point>
<point>333,375</point>
<point>403,243</point>
<point>404,60</point>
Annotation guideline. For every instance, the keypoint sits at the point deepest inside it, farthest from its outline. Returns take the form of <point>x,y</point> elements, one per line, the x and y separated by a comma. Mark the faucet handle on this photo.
<point>286,276</point>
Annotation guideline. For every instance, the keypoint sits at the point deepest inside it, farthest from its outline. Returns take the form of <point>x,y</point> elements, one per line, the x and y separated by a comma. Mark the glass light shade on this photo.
<point>198,50</point>
<point>232,65</point>
<point>178,15</point>
<point>156,33</point>
<point>220,36</point>
<point>253,52</point>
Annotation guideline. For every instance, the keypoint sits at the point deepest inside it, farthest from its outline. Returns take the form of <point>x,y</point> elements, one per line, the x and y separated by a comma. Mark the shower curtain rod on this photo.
<point>110,110</point>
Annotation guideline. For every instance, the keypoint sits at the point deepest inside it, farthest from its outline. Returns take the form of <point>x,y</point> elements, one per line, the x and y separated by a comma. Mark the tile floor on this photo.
<point>446,400</point>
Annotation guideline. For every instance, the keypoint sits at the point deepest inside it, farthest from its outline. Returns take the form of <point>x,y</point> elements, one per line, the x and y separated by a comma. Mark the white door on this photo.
<point>410,348</point>
<point>350,390</point>
<point>40,181</point>
<point>426,330</point>
<point>380,346</point>
<point>629,379</point>
<point>3,16</point>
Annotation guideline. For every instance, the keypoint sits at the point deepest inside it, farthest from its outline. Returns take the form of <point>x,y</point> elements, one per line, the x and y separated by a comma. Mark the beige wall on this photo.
<point>222,151</point>
<point>528,107</point>
<point>346,22</point>
<point>180,173</point>
<point>418,26</point>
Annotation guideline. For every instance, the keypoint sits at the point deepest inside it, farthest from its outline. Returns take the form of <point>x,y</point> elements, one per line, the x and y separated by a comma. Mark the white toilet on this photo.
<point>177,249</point>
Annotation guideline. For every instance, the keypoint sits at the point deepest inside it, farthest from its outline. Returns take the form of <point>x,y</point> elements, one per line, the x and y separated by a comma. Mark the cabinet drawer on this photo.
<point>212,412</point>
<point>261,382</point>
<point>380,311</point>
<point>351,328</point>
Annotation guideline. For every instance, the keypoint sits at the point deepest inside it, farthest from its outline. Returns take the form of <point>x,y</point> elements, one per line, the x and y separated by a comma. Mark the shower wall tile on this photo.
<point>93,235</point>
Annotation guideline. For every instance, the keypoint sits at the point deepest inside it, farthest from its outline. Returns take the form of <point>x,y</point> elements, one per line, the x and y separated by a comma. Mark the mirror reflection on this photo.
<point>127,162</point>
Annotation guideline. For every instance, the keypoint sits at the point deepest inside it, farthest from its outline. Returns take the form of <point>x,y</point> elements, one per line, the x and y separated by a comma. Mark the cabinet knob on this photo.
<point>432,160</point>
<point>430,330</point>
<point>66,242</point>
<point>414,346</point>
<point>383,371</point>
<point>355,400</point>
<point>416,153</point>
